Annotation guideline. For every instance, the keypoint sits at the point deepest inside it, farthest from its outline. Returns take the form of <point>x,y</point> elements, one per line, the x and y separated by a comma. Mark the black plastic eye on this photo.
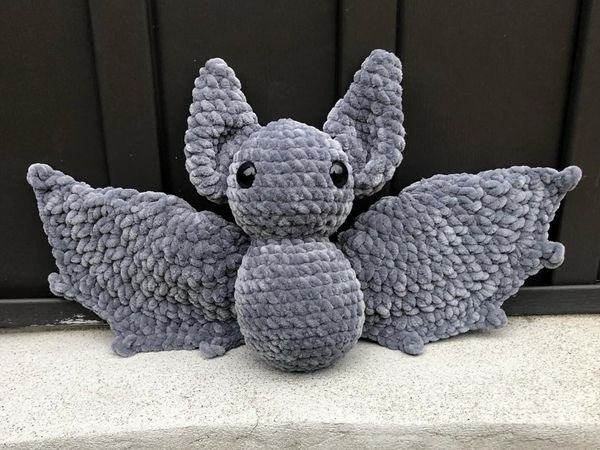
<point>338,173</point>
<point>245,175</point>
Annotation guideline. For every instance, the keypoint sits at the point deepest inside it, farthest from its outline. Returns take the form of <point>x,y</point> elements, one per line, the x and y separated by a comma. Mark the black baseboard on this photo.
<point>23,312</point>
<point>577,299</point>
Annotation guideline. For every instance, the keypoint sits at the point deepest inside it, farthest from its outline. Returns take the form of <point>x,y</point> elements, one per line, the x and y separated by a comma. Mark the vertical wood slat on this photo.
<point>580,221</point>
<point>485,83</point>
<point>49,113</point>
<point>363,26</point>
<point>124,66</point>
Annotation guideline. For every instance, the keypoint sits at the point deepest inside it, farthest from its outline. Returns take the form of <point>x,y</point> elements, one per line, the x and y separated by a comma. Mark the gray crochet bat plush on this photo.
<point>437,260</point>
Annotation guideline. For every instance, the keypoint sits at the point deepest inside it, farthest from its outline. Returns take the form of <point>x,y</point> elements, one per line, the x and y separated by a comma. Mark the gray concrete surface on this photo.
<point>532,385</point>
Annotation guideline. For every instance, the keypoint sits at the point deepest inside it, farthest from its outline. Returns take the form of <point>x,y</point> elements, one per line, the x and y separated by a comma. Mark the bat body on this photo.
<point>299,302</point>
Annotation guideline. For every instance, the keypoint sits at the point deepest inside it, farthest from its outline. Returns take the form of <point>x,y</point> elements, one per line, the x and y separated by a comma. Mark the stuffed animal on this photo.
<point>437,260</point>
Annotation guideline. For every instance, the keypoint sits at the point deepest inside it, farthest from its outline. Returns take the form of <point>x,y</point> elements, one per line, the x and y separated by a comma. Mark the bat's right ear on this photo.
<point>368,122</point>
<point>220,121</point>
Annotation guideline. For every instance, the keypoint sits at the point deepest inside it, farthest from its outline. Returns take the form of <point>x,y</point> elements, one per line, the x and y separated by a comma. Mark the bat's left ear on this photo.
<point>220,121</point>
<point>368,122</point>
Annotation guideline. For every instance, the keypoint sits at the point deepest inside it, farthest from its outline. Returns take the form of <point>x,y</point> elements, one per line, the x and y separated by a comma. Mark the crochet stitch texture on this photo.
<point>441,257</point>
<point>437,260</point>
<point>161,274</point>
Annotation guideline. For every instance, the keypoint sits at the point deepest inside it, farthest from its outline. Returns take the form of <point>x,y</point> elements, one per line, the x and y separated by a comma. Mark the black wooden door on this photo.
<point>100,90</point>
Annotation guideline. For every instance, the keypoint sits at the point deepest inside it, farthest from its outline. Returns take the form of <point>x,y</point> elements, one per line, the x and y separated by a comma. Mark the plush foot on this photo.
<point>216,338</point>
<point>409,342</point>
<point>123,346</point>
<point>208,350</point>
<point>496,318</point>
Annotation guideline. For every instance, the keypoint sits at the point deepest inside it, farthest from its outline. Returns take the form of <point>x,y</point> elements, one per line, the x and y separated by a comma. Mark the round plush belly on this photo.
<point>298,303</point>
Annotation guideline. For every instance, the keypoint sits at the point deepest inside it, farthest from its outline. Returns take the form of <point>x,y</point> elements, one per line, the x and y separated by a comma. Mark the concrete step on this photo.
<point>535,384</point>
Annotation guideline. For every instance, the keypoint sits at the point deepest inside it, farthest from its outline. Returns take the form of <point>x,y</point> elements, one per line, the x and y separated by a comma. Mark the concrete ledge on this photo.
<point>534,384</point>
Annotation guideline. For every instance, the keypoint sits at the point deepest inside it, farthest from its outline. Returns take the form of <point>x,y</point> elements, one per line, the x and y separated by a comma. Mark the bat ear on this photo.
<point>368,122</point>
<point>220,121</point>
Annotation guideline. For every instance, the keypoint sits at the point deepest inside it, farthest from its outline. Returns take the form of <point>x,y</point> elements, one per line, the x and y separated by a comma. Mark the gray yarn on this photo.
<point>220,119</point>
<point>298,301</point>
<point>368,122</point>
<point>293,195</point>
<point>435,261</point>
<point>441,257</point>
<point>160,273</point>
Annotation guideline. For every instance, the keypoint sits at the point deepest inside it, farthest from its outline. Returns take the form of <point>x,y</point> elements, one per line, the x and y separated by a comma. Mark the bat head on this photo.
<point>288,179</point>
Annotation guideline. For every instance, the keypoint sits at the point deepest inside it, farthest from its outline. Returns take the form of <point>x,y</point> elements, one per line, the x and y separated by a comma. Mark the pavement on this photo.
<point>533,385</point>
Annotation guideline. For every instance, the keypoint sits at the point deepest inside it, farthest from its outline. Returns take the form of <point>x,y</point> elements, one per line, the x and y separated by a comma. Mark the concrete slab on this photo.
<point>534,384</point>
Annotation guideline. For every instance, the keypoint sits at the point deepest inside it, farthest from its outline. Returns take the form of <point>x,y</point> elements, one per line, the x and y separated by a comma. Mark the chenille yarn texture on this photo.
<point>441,258</point>
<point>160,273</point>
<point>437,260</point>
<point>298,302</point>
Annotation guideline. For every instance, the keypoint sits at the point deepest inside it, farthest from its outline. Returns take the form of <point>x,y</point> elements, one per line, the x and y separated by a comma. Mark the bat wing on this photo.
<point>440,258</point>
<point>160,273</point>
